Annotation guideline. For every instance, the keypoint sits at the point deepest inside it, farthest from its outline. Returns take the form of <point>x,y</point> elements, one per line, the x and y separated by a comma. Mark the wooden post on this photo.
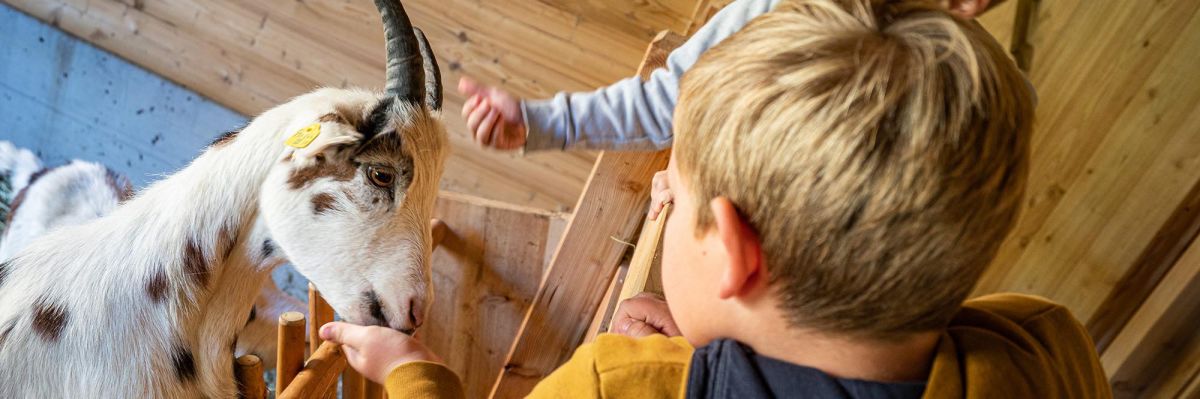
<point>289,352</point>
<point>641,265</point>
<point>375,391</point>
<point>249,372</point>
<point>319,313</point>
<point>320,374</point>
<point>353,384</point>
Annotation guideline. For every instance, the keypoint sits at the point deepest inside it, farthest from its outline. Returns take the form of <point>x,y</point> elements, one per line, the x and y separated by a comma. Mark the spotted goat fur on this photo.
<point>68,195</point>
<point>148,300</point>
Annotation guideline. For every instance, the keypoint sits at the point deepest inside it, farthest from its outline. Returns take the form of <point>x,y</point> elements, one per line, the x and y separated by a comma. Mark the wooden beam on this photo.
<point>1141,280</point>
<point>611,206</point>
<point>1151,343</point>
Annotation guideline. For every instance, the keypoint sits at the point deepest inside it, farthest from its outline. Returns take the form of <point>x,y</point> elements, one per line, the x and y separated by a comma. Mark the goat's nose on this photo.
<point>416,312</point>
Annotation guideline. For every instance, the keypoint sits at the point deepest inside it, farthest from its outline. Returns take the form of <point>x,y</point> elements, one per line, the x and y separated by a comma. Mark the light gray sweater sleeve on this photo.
<point>631,114</point>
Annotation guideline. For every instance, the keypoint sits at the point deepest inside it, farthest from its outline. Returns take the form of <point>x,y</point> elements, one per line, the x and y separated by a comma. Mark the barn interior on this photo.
<point>1108,225</point>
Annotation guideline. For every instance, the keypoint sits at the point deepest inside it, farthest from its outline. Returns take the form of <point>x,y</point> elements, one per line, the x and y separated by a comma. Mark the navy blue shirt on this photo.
<point>727,369</point>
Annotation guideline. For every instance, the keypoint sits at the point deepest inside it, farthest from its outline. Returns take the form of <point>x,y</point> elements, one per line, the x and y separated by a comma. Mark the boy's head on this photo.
<point>852,163</point>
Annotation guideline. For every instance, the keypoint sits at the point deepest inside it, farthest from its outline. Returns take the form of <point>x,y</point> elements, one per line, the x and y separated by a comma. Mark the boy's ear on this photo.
<point>745,269</point>
<point>969,9</point>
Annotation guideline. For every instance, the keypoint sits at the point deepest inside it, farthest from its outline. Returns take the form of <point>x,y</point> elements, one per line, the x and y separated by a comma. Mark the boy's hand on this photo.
<point>376,351</point>
<point>493,116</point>
<point>643,315</point>
<point>660,194</point>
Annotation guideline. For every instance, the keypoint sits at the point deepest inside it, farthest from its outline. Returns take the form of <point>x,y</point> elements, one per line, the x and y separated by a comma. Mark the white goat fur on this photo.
<point>113,340</point>
<point>68,195</point>
<point>81,191</point>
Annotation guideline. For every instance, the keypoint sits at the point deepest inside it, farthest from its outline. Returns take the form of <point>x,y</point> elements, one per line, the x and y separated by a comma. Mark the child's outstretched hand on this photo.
<point>493,116</point>
<point>660,194</point>
<point>643,315</point>
<point>376,351</point>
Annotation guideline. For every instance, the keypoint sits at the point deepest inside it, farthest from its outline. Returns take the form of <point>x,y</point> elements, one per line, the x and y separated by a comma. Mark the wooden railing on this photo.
<point>318,376</point>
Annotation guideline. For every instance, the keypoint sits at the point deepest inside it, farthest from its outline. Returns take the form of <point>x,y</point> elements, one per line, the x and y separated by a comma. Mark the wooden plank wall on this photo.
<point>251,55</point>
<point>485,275</point>
<point>1116,149</point>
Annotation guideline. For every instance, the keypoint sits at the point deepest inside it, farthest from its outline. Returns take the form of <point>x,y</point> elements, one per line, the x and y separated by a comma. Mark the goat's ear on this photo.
<point>319,137</point>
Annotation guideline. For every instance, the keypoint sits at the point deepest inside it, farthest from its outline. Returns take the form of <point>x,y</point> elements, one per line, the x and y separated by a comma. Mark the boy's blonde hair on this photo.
<point>878,147</point>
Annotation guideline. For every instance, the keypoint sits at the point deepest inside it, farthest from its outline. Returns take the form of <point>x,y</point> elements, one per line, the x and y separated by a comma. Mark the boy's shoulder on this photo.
<point>1018,345</point>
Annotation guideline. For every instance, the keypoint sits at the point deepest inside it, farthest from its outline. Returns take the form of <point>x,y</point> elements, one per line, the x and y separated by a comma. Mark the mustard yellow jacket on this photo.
<point>998,346</point>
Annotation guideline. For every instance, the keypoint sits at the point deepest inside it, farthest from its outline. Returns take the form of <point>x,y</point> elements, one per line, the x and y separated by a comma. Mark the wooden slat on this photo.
<point>289,358</point>
<point>1114,152</point>
<point>248,370</point>
<point>611,206</point>
<point>485,274</point>
<point>320,374</point>
<point>352,384</point>
<point>319,313</point>
<point>1147,272</point>
<point>375,391</point>
<point>641,265</point>
<point>1150,345</point>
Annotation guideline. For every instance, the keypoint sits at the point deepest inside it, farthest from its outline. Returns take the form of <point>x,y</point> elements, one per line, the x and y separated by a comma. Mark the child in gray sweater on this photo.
<point>629,115</point>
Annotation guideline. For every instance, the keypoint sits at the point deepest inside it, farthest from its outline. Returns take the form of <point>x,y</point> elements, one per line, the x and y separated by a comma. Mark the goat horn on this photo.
<point>433,75</point>
<point>405,69</point>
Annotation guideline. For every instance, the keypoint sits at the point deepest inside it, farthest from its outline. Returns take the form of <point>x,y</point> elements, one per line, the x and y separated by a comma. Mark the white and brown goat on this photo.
<point>147,301</point>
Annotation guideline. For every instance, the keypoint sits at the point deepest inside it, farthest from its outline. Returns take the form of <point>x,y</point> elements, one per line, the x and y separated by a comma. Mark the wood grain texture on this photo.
<point>1114,152</point>
<point>320,374</point>
<point>485,275</point>
<point>1148,273</point>
<point>289,349</point>
<point>248,370</point>
<point>610,209</point>
<point>250,56</point>
<point>319,313</point>
<point>1153,343</point>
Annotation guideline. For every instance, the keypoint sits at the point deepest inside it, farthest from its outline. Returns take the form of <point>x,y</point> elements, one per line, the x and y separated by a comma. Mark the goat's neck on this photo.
<point>210,209</point>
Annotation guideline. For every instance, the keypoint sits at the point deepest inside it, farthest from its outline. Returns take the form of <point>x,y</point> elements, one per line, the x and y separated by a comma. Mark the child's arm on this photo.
<point>629,115</point>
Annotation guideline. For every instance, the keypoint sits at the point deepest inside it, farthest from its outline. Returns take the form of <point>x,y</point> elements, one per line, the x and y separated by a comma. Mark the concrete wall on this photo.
<point>65,99</point>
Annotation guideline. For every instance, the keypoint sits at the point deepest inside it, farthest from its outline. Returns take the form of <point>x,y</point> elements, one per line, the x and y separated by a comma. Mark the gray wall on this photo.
<point>65,99</point>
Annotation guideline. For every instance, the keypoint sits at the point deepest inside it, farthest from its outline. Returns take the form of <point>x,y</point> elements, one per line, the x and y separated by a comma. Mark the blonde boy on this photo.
<point>843,173</point>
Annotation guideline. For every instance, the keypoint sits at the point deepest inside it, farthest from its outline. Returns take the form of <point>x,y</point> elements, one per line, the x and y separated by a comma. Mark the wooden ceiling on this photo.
<point>252,55</point>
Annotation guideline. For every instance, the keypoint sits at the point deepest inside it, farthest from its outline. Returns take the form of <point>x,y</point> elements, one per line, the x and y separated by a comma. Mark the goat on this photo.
<point>17,167</point>
<point>80,191</point>
<point>147,301</point>
<point>67,195</point>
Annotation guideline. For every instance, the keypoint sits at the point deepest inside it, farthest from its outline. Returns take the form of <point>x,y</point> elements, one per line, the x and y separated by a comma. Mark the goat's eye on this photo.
<point>381,176</point>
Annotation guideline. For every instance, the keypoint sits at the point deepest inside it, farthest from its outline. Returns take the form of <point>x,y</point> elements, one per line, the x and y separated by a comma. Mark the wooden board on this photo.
<point>606,216</point>
<point>1115,151</point>
<point>486,274</point>
<point>1154,341</point>
<point>251,55</point>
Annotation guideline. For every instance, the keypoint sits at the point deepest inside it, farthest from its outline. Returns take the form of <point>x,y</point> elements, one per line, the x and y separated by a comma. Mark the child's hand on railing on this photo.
<point>376,351</point>
<point>643,315</point>
<point>660,194</point>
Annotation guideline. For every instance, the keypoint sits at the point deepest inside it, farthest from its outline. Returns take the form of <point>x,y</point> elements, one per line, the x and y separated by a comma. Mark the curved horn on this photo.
<point>405,70</point>
<point>433,75</point>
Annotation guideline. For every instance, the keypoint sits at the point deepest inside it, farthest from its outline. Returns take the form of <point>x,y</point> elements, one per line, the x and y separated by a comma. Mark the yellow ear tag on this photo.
<point>305,136</point>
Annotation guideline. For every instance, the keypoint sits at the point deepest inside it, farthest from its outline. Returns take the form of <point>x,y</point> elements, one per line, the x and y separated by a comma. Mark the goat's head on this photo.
<point>351,201</point>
